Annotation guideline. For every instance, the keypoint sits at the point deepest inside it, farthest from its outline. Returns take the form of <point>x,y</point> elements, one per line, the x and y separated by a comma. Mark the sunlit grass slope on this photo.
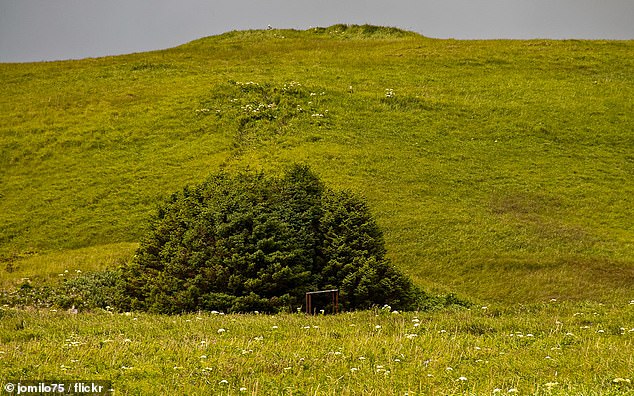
<point>502,170</point>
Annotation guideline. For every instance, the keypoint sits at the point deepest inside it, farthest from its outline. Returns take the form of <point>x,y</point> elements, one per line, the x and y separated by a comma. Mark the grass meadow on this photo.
<point>552,348</point>
<point>499,170</point>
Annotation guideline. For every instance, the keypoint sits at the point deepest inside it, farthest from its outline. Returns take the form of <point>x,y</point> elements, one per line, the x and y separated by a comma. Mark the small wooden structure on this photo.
<point>334,295</point>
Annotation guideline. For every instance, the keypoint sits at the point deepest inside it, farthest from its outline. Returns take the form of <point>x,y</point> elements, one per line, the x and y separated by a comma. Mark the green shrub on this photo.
<point>29,295</point>
<point>91,290</point>
<point>250,242</point>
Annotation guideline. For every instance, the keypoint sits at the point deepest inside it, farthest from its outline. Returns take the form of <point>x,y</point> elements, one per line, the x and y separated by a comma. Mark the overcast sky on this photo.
<point>34,30</point>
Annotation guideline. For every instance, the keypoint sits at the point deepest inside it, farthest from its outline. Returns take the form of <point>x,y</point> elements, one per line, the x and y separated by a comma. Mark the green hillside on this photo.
<point>500,170</point>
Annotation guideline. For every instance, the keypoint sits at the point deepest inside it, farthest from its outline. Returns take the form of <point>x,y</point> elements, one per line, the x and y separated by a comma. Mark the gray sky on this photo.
<point>34,30</point>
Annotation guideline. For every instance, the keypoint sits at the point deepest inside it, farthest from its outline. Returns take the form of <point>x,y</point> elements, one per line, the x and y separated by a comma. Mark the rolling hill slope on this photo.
<point>502,170</point>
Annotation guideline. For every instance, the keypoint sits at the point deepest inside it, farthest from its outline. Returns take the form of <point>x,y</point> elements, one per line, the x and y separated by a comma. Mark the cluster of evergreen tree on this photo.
<point>250,242</point>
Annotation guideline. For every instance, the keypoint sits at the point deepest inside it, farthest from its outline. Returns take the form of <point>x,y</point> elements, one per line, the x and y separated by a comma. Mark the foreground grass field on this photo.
<point>544,349</point>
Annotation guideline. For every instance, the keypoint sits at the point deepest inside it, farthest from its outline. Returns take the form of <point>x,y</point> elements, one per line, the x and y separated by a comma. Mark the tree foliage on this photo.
<point>250,242</point>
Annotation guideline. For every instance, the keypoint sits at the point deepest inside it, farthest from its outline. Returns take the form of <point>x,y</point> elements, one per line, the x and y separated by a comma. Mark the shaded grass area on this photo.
<point>501,170</point>
<point>550,348</point>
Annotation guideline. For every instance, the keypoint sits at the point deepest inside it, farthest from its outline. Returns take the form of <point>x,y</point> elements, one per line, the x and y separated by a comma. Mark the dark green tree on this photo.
<point>250,242</point>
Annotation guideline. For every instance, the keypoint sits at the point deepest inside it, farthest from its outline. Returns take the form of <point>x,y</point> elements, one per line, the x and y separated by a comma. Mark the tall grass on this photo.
<point>550,348</point>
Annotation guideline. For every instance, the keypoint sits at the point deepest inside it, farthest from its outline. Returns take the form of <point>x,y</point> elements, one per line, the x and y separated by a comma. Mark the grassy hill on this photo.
<point>501,170</point>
